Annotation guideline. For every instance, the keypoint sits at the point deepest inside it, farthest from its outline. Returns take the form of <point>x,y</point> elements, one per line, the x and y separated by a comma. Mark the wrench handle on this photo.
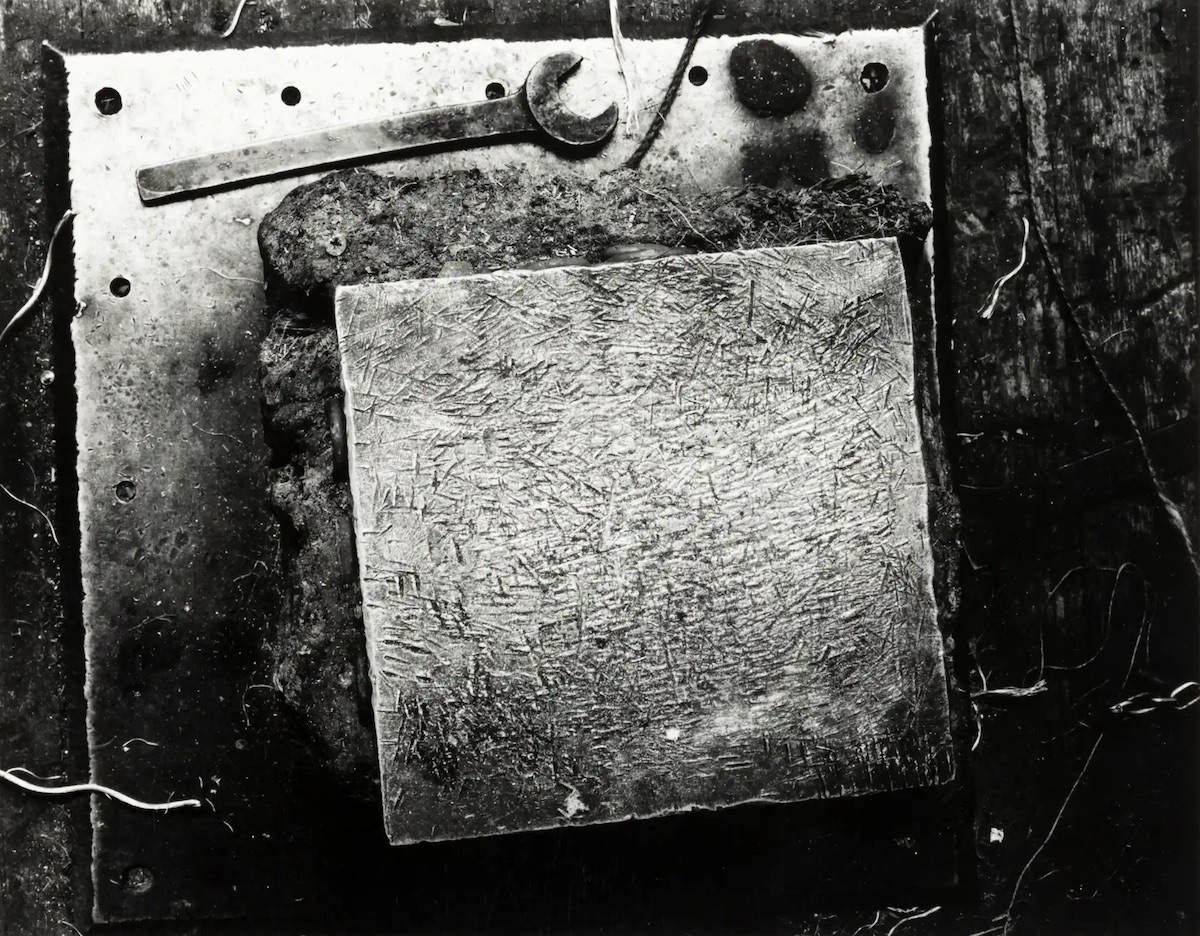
<point>306,152</point>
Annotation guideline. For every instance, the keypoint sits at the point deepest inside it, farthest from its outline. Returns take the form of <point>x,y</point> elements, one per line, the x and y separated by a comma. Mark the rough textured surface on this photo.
<point>397,229</point>
<point>642,538</point>
<point>316,648</point>
<point>401,228</point>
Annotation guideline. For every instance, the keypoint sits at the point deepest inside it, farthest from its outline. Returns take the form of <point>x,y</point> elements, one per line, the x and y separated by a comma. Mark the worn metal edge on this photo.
<point>944,744</point>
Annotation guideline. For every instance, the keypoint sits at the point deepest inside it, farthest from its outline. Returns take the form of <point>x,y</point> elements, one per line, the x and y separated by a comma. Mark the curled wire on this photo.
<point>40,286</point>
<point>1182,697</point>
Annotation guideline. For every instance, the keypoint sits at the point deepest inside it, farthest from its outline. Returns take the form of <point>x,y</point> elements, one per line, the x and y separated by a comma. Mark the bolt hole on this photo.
<point>137,880</point>
<point>108,101</point>
<point>290,96</point>
<point>119,287</point>
<point>874,77</point>
<point>494,90</point>
<point>126,490</point>
<point>697,75</point>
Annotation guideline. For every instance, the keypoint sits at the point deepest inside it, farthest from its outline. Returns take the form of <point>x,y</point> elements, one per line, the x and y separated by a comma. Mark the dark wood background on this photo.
<point>1081,117</point>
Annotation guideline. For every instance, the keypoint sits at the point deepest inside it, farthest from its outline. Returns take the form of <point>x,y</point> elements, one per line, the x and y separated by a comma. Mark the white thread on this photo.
<point>633,87</point>
<point>96,788</point>
<point>990,306</point>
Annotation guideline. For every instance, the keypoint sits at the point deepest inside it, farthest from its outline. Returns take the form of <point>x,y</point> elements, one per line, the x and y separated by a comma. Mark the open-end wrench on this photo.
<point>534,109</point>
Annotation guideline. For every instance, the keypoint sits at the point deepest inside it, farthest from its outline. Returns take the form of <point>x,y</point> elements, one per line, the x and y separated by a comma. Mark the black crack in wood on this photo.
<point>769,80</point>
<point>459,223</point>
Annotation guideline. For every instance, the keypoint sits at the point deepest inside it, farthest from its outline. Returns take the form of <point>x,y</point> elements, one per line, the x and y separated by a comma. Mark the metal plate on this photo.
<point>642,538</point>
<point>178,547</point>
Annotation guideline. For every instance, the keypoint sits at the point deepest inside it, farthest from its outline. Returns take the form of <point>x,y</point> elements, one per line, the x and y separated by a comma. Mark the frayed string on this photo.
<point>21,133</point>
<point>989,307</point>
<point>704,13</point>
<point>633,87</point>
<point>1014,692</point>
<point>1112,597</point>
<point>1008,914</point>
<point>11,777</point>
<point>40,285</point>
<point>1182,697</point>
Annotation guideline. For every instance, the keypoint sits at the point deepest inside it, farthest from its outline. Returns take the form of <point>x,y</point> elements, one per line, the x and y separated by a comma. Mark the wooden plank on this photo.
<point>1085,103</point>
<point>41,663</point>
<point>1081,118</point>
<point>642,538</point>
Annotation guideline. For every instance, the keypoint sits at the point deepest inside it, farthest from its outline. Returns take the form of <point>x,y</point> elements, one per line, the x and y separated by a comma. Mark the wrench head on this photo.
<point>552,115</point>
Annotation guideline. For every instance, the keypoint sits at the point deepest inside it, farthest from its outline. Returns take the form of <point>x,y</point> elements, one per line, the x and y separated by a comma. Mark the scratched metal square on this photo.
<point>178,547</point>
<point>643,538</point>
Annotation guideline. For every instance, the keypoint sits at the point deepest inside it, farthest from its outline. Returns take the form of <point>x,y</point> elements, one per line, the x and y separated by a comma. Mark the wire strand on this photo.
<point>40,285</point>
<point>994,296</point>
<point>74,788</point>
<point>26,503</point>
<point>237,15</point>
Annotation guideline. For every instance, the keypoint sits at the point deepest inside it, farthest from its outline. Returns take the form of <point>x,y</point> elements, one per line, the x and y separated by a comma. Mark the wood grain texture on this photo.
<point>642,538</point>
<point>41,669</point>
<point>1092,141</point>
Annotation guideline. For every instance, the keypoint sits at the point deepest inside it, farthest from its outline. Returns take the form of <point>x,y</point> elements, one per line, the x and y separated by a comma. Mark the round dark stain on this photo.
<point>786,159</point>
<point>875,125</point>
<point>769,79</point>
